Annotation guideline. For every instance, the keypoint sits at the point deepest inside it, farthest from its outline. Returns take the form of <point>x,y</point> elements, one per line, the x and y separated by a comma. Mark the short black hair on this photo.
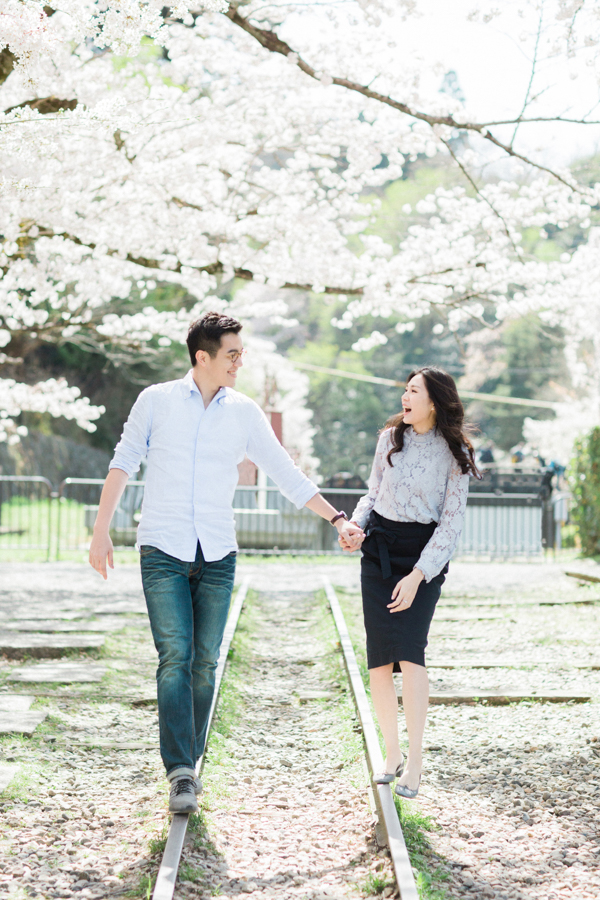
<point>206,333</point>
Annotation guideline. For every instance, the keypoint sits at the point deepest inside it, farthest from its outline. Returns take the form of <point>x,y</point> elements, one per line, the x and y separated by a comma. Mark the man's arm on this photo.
<point>351,533</point>
<point>130,450</point>
<point>101,548</point>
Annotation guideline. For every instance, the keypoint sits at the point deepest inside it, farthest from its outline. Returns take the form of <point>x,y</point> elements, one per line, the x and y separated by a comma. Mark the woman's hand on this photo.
<point>405,591</point>
<point>350,536</point>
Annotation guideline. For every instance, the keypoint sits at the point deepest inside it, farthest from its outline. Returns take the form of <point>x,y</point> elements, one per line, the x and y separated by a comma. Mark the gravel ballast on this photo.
<point>512,790</point>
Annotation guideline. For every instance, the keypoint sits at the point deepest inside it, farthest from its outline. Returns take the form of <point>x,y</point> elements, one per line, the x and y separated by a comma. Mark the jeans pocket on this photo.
<point>146,550</point>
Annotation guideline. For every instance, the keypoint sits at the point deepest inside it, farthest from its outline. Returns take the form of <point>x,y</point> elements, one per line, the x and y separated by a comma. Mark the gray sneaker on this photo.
<point>182,798</point>
<point>198,785</point>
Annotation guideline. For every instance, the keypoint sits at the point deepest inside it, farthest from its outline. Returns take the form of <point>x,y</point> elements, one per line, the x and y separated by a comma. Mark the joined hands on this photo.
<point>350,536</point>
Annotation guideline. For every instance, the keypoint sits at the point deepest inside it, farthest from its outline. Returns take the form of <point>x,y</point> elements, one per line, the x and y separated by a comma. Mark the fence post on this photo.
<point>59,495</point>
<point>56,495</point>
<point>51,497</point>
<point>50,490</point>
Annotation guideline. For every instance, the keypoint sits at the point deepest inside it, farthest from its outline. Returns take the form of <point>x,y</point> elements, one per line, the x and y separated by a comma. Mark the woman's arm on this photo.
<point>366,503</point>
<point>440,546</point>
<point>443,541</point>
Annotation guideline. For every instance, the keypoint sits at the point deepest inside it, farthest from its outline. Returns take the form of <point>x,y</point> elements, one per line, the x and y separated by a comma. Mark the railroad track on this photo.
<point>383,798</point>
<point>513,787</point>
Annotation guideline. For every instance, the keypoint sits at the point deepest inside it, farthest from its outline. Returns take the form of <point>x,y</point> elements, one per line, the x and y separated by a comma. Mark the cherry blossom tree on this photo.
<point>211,141</point>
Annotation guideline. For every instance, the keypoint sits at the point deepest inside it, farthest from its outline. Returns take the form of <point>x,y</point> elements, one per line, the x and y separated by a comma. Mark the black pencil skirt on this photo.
<point>389,552</point>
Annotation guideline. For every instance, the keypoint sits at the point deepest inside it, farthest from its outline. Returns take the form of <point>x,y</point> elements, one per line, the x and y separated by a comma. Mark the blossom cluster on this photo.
<point>53,396</point>
<point>139,148</point>
<point>27,31</point>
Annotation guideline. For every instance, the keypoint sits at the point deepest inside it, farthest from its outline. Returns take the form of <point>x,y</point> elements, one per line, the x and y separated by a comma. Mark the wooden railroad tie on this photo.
<point>465,663</point>
<point>583,577</point>
<point>499,698</point>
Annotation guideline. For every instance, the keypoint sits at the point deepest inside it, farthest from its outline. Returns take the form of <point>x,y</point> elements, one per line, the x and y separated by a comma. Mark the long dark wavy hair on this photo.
<point>450,419</point>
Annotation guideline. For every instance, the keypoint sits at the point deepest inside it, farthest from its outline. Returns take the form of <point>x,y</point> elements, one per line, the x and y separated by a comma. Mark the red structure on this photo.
<point>247,469</point>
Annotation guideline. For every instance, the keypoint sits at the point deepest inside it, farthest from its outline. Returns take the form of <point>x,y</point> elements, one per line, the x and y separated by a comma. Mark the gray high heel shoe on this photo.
<point>407,792</point>
<point>388,777</point>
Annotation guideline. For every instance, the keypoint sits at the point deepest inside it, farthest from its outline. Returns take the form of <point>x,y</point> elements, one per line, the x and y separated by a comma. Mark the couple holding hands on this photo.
<point>194,432</point>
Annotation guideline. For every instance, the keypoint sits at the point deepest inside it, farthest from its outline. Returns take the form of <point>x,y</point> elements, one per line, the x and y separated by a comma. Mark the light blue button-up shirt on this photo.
<point>192,455</point>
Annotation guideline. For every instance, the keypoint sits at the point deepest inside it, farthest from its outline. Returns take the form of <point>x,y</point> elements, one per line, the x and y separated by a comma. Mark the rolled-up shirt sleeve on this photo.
<point>266,452</point>
<point>441,545</point>
<point>366,503</point>
<point>133,446</point>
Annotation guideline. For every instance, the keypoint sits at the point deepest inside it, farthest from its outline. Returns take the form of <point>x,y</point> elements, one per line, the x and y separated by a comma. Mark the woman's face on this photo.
<point>418,408</point>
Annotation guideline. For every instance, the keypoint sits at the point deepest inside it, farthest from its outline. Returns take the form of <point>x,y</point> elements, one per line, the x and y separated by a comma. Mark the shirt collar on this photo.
<point>426,438</point>
<point>189,384</point>
<point>191,387</point>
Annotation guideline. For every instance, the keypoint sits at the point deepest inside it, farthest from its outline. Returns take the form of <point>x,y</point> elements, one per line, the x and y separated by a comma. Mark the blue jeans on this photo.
<point>188,605</point>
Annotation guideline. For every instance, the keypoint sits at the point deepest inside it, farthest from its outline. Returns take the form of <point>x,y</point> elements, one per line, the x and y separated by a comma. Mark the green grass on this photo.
<point>24,783</point>
<point>35,525</point>
<point>230,705</point>
<point>220,775</point>
<point>143,888</point>
<point>349,744</point>
<point>48,529</point>
<point>158,842</point>
<point>415,827</point>
<point>375,884</point>
<point>188,872</point>
<point>198,831</point>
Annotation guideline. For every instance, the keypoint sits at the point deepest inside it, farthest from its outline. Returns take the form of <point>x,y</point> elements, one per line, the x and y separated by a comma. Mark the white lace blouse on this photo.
<point>423,484</point>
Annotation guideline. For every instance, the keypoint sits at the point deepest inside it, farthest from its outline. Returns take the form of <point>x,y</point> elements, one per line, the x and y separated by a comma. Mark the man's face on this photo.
<point>222,369</point>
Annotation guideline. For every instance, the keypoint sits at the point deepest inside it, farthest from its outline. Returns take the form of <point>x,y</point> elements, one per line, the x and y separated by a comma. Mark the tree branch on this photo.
<point>7,64</point>
<point>479,194</point>
<point>215,268</point>
<point>45,105</point>
<point>274,44</point>
<point>531,77</point>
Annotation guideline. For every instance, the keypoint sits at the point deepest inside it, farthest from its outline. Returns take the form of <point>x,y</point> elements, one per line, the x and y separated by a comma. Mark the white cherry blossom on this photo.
<point>192,149</point>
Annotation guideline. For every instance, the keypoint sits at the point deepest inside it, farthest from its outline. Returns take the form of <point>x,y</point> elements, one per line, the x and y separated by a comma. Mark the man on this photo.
<point>194,432</point>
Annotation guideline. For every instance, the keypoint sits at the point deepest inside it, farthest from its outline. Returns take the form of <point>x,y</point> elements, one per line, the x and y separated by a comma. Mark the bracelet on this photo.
<point>340,515</point>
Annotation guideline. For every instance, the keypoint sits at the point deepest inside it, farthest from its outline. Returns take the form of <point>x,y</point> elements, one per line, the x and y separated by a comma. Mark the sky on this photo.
<point>494,66</point>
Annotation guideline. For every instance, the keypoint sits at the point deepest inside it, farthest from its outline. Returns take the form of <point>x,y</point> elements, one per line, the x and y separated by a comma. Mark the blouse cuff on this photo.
<point>428,574</point>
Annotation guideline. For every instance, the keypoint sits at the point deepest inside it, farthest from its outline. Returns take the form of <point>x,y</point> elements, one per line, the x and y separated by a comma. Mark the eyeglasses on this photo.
<point>234,355</point>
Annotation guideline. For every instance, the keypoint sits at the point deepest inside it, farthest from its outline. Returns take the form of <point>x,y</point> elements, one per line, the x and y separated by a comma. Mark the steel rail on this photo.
<point>167,873</point>
<point>397,845</point>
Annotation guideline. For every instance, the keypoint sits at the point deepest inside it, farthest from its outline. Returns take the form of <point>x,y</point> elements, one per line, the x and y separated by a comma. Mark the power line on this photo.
<point>468,395</point>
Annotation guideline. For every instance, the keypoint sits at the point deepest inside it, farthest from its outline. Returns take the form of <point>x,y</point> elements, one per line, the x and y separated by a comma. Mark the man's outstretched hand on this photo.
<point>101,551</point>
<point>351,537</point>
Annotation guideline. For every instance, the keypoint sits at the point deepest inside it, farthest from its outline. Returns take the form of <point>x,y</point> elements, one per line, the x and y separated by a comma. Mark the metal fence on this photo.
<point>34,517</point>
<point>26,514</point>
<point>266,521</point>
<point>510,525</point>
<point>78,500</point>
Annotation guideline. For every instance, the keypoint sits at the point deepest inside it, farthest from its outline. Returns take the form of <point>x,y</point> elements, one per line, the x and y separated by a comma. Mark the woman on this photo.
<point>413,516</point>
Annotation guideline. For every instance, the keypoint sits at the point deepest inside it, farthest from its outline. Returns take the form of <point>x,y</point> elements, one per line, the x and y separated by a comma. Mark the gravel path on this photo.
<point>285,810</point>
<point>513,790</point>
<point>78,818</point>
